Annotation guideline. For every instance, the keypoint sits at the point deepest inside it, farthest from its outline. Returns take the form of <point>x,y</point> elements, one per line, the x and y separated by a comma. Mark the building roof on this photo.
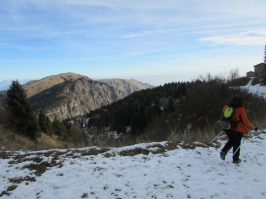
<point>258,65</point>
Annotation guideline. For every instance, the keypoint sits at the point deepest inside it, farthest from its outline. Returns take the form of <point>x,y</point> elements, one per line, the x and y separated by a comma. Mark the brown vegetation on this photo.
<point>11,141</point>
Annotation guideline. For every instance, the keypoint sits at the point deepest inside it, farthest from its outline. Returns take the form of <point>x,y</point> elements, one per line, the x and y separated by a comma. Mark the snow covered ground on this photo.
<point>256,89</point>
<point>180,173</point>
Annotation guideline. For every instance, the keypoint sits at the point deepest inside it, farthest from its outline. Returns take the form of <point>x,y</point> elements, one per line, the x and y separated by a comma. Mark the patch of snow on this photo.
<point>114,135</point>
<point>256,89</point>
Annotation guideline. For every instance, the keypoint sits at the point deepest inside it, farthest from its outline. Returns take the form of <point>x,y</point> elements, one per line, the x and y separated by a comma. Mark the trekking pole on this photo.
<point>239,146</point>
<point>215,137</point>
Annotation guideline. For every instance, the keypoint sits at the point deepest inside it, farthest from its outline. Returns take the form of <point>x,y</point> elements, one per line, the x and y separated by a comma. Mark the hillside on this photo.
<point>176,107</point>
<point>152,172</point>
<point>74,98</point>
<point>37,86</point>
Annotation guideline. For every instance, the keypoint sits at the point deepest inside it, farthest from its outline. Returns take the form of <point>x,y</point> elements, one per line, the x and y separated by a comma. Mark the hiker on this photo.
<point>237,129</point>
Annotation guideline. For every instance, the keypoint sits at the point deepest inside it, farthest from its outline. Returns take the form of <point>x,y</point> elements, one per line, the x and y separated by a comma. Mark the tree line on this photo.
<point>138,109</point>
<point>176,105</point>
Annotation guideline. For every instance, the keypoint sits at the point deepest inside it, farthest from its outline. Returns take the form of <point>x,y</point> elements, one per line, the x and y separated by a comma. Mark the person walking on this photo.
<point>238,128</point>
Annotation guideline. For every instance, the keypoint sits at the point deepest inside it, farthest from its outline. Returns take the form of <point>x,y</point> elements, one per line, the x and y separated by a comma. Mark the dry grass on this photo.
<point>22,179</point>
<point>194,138</point>
<point>145,151</point>
<point>198,138</point>
<point>260,122</point>
<point>49,142</point>
<point>13,142</point>
<point>103,140</point>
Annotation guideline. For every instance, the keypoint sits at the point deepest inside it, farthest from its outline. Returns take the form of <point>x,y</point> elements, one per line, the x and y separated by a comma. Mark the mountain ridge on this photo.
<point>68,95</point>
<point>36,86</point>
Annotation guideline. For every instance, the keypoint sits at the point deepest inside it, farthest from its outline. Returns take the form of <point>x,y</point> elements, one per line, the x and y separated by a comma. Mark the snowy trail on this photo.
<point>180,173</point>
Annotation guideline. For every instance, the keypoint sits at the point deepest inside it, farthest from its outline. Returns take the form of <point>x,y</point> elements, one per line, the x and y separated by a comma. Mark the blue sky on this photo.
<point>152,41</point>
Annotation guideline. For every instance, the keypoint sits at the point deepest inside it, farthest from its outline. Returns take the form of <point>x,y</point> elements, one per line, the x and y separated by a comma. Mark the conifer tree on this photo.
<point>21,114</point>
<point>42,121</point>
<point>170,105</point>
<point>60,129</point>
<point>45,123</point>
<point>49,126</point>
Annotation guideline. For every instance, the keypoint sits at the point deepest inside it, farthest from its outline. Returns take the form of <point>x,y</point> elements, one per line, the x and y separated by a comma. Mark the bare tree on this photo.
<point>233,74</point>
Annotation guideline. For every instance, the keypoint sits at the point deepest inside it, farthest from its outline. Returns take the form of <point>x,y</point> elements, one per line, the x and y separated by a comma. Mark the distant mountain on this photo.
<point>4,88</point>
<point>69,95</point>
<point>4,85</point>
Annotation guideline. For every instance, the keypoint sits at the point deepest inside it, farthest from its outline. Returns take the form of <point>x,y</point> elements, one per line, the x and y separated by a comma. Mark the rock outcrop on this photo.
<point>128,86</point>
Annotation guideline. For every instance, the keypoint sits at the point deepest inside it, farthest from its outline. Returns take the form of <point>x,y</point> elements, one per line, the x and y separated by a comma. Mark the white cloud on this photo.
<point>249,38</point>
<point>140,34</point>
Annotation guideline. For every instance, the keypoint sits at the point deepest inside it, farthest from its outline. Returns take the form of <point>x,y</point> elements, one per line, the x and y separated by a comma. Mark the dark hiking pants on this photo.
<point>234,140</point>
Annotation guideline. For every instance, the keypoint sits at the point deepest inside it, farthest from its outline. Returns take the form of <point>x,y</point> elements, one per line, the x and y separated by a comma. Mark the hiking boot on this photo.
<point>236,161</point>
<point>222,155</point>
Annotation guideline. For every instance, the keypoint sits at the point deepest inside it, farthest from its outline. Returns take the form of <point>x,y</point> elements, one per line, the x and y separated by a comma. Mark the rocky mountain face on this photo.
<point>74,98</point>
<point>69,95</point>
<point>127,86</point>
